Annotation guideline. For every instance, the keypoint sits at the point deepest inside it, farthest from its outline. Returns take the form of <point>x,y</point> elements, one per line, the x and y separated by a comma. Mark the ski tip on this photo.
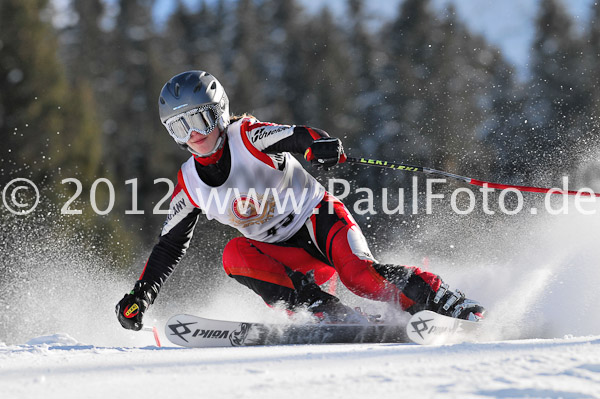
<point>427,327</point>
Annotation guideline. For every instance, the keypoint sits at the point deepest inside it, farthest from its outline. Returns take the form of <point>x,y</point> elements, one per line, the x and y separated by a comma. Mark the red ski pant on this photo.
<point>330,241</point>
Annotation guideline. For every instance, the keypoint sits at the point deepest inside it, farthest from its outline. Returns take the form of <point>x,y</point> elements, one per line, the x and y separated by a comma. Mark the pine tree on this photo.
<point>559,96</point>
<point>460,97</point>
<point>592,60</point>
<point>286,65</point>
<point>32,87</point>
<point>85,47</point>
<point>137,146</point>
<point>247,89</point>
<point>48,125</point>
<point>366,96</point>
<point>328,81</point>
<point>180,38</point>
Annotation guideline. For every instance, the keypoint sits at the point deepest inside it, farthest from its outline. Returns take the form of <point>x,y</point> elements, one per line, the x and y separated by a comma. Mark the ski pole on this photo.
<point>154,331</point>
<point>469,180</point>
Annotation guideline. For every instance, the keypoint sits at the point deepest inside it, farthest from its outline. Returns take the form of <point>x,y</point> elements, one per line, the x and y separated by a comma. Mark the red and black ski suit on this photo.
<point>328,241</point>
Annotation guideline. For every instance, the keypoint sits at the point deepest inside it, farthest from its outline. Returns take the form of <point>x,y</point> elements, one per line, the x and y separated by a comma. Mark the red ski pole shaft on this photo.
<point>154,331</point>
<point>469,180</point>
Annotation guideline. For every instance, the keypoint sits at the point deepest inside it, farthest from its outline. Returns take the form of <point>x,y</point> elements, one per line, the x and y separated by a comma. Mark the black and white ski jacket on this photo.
<point>268,142</point>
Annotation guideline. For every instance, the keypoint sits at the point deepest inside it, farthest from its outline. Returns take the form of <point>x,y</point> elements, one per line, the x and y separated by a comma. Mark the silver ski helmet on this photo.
<point>194,101</point>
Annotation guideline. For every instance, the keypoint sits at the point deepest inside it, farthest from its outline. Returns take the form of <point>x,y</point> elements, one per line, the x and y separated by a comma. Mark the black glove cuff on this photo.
<point>145,290</point>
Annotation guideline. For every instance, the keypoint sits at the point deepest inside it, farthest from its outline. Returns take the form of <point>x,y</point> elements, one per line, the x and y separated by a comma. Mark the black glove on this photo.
<point>325,152</point>
<point>130,310</point>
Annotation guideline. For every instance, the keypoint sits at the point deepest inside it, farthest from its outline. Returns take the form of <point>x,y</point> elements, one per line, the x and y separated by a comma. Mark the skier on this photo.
<point>286,250</point>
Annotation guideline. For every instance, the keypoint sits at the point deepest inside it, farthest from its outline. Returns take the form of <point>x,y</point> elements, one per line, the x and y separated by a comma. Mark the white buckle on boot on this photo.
<point>456,295</point>
<point>440,293</point>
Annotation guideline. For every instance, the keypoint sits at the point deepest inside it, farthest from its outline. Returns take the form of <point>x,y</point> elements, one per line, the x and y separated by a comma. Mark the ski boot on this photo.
<point>455,304</point>
<point>325,307</point>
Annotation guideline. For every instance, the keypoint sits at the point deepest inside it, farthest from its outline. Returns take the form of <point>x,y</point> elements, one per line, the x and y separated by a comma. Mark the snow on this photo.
<point>54,340</point>
<point>63,342</point>
<point>537,275</point>
<point>59,367</point>
<point>540,283</point>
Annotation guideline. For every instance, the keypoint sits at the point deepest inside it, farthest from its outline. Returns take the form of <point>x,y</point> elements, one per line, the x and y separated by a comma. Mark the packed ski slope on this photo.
<point>554,297</point>
<point>538,276</point>
<point>59,367</point>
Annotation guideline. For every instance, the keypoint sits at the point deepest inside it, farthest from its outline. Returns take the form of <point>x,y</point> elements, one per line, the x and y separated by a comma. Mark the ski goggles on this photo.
<point>202,120</point>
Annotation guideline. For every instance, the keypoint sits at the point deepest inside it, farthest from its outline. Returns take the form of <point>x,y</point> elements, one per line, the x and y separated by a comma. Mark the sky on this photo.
<point>508,24</point>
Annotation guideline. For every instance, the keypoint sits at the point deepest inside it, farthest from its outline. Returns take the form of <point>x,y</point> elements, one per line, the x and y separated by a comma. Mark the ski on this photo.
<point>198,332</point>
<point>424,328</point>
<point>430,328</point>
